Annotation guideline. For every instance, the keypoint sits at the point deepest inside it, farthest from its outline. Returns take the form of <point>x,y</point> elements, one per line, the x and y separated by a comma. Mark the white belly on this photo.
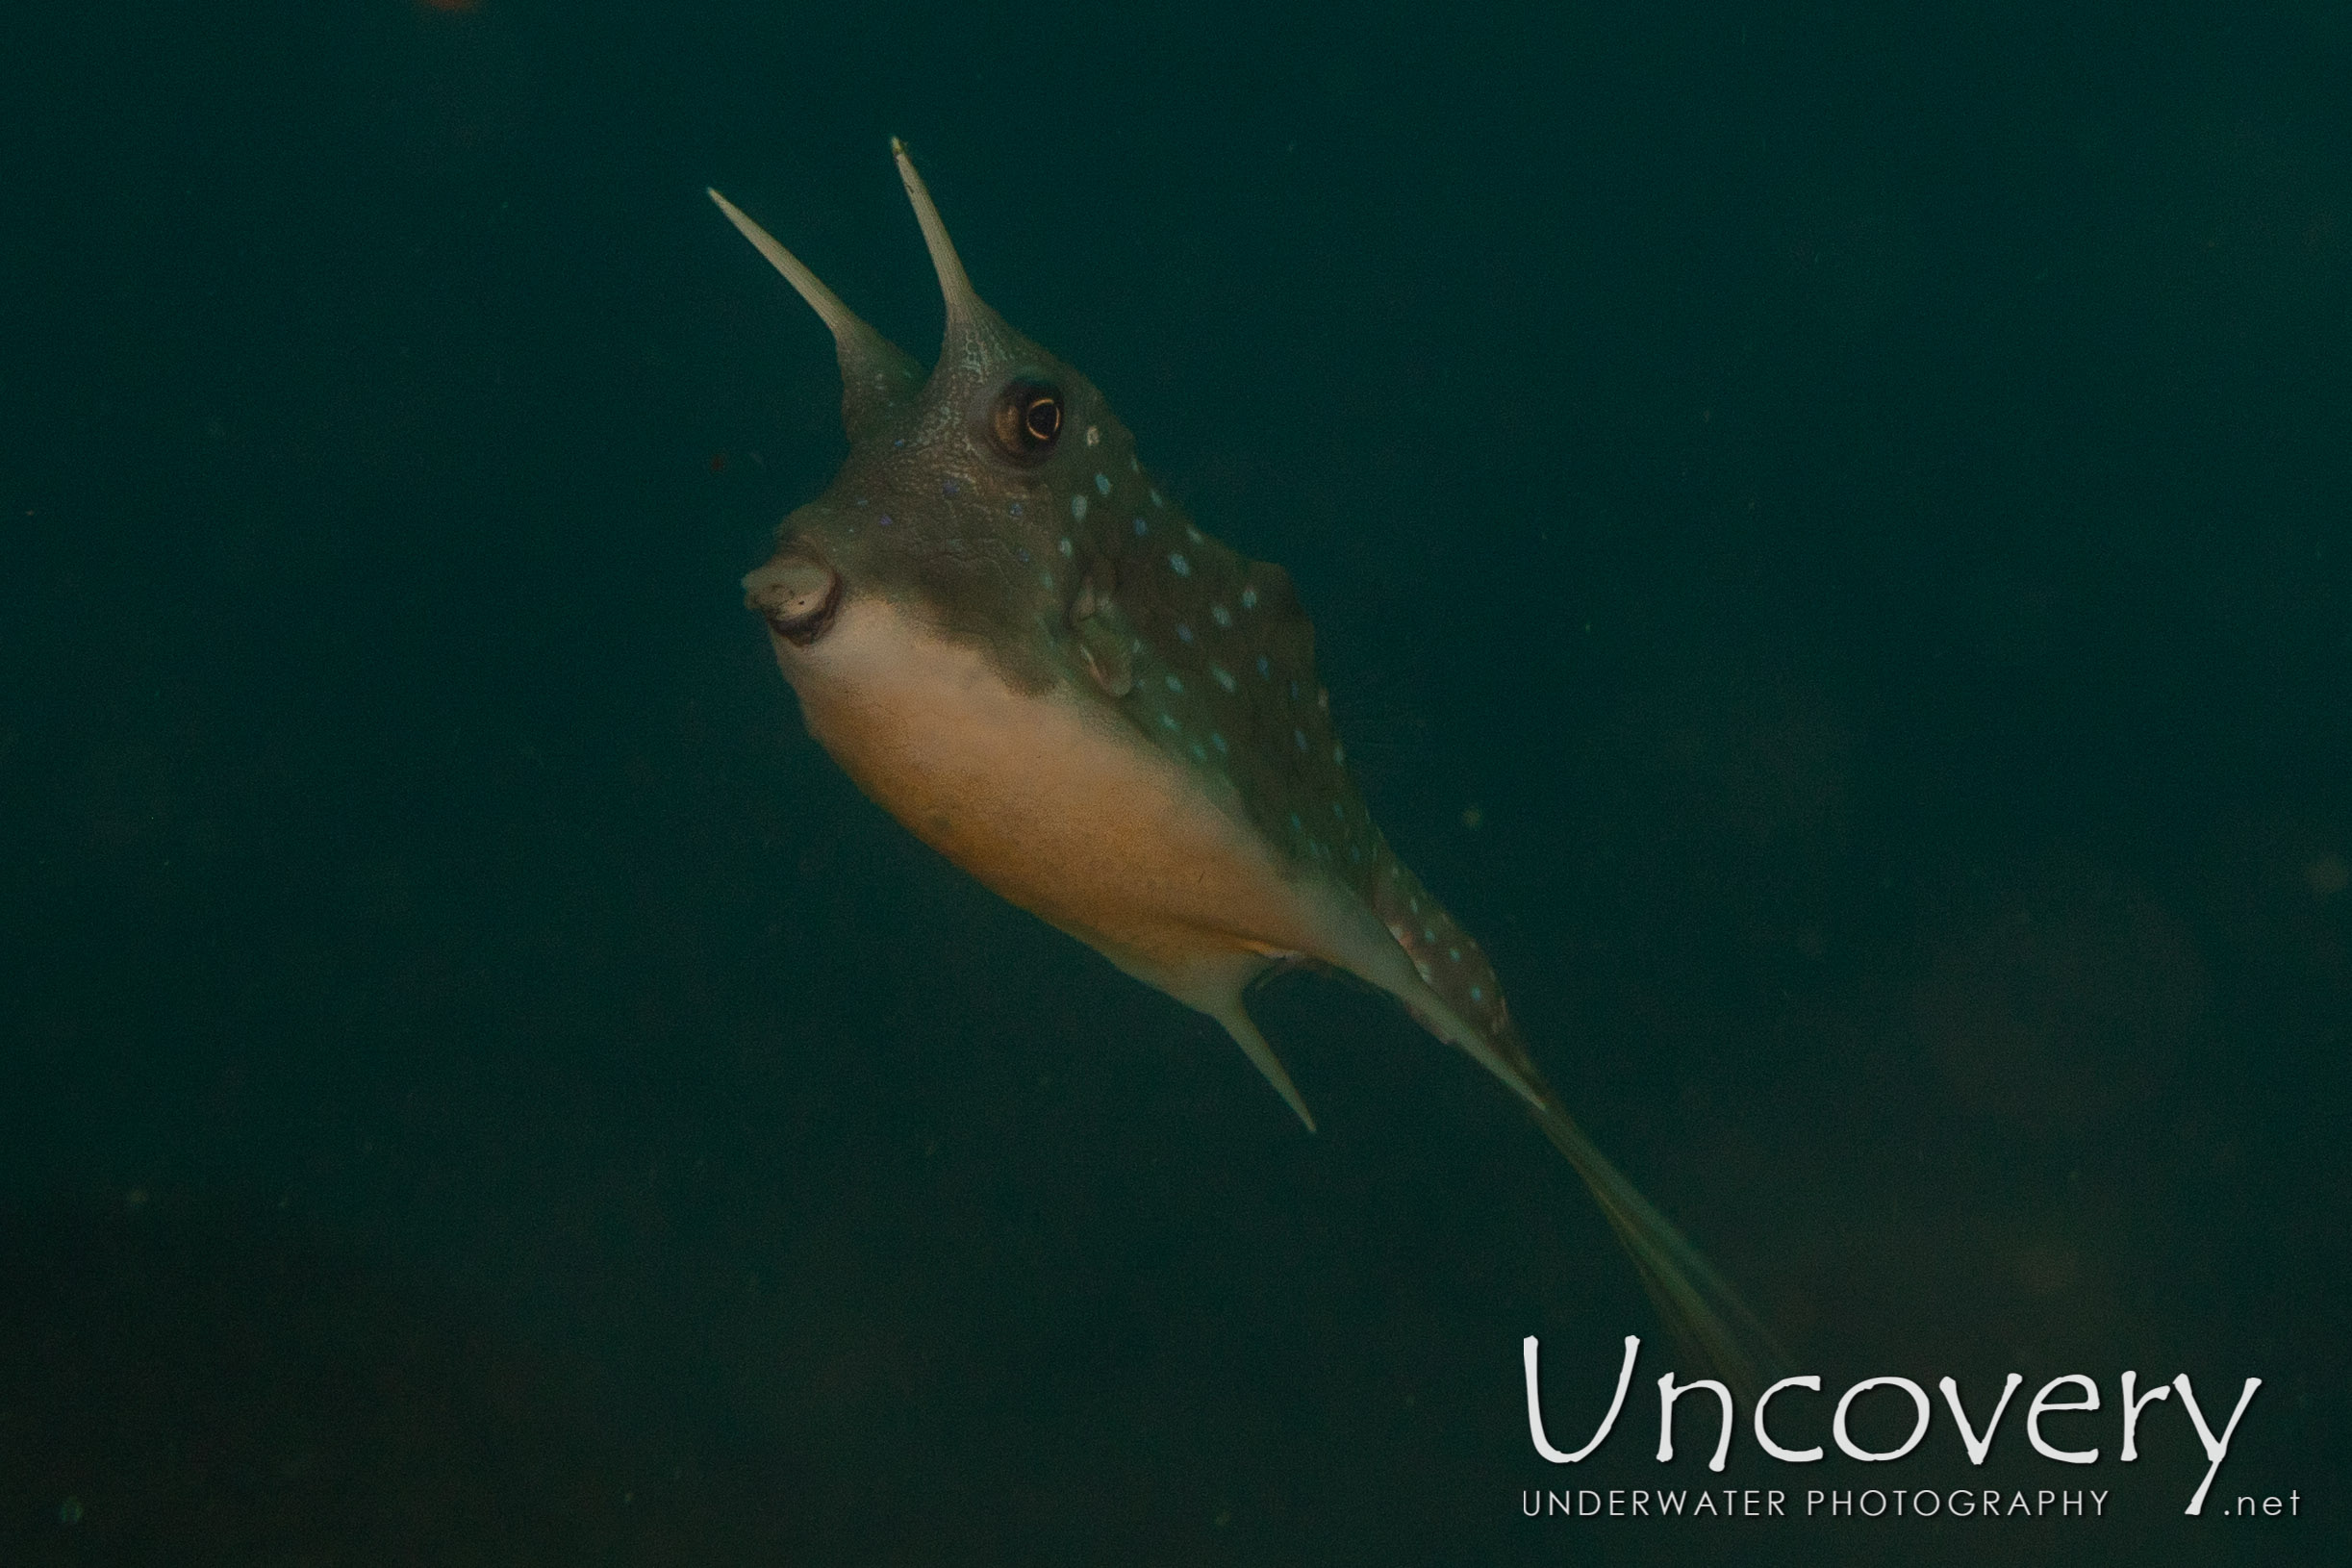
<point>1053,802</point>
<point>1049,799</point>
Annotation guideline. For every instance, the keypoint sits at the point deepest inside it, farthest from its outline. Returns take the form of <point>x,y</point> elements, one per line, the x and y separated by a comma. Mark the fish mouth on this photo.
<point>797,595</point>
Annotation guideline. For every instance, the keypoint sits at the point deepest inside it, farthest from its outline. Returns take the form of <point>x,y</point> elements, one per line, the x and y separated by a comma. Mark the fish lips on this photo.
<point>795,594</point>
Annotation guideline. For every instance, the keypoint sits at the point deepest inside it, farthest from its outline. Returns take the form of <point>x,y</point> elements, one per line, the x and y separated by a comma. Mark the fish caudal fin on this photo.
<point>1699,1305</point>
<point>1446,981</point>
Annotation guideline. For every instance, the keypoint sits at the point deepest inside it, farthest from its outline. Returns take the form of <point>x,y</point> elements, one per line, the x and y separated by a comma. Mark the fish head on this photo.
<point>960,502</point>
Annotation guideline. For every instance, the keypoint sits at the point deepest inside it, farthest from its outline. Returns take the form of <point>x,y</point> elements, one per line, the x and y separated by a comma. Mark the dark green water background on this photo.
<point>1853,498</point>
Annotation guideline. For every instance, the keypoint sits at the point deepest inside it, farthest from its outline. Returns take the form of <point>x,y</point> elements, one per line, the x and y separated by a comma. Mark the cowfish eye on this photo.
<point>1027,420</point>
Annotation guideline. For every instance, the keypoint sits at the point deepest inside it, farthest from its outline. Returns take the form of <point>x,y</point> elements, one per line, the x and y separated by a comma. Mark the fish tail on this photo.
<point>1704,1313</point>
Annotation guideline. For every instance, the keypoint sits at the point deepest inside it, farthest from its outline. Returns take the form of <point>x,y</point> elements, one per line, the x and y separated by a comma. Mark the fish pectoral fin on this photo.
<point>1105,649</point>
<point>1236,1020</point>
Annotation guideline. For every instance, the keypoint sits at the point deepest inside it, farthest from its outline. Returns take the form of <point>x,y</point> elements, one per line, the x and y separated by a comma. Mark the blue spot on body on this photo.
<point>884,520</point>
<point>1142,527</point>
<point>1265,665</point>
<point>1178,565</point>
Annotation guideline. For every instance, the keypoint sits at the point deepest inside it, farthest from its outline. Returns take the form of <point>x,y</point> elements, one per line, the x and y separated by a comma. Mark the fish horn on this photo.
<point>876,373</point>
<point>972,328</point>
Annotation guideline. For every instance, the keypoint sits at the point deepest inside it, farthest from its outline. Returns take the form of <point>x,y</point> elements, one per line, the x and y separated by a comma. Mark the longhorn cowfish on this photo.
<point>1013,638</point>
